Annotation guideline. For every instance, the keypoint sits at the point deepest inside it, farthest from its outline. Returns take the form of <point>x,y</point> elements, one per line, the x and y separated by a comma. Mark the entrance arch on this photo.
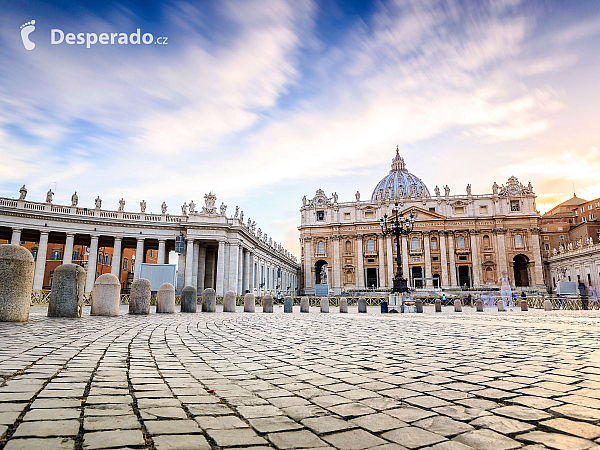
<point>521,270</point>
<point>321,275</point>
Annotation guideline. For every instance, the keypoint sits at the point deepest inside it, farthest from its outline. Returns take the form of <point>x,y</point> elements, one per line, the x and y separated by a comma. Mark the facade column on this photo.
<point>475,258</point>
<point>115,267</point>
<point>308,279</point>
<point>161,251</point>
<point>405,268</point>
<point>226,268</point>
<point>220,268</point>
<point>251,272</point>
<point>201,268</point>
<point>233,267</point>
<point>91,266</point>
<point>247,272</point>
<point>390,262</point>
<point>452,259</point>
<point>139,257</point>
<point>361,269</point>
<point>337,266</point>
<point>68,252</point>
<point>427,256</point>
<point>381,260</point>
<point>537,257</point>
<point>195,264</point>
<point>444,258</point>
<point>40,261</point>
<point>189,262</point>
<point>180,272</point>
<point>501,239</point>
<point>240,277</point>
<point>16,236</point>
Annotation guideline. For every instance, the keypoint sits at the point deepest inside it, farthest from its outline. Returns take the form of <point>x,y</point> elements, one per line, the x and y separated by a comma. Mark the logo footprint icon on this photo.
<point>26,29</point>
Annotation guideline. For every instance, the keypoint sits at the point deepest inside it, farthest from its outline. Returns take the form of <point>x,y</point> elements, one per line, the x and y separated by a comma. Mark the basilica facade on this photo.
<point>458,240</point>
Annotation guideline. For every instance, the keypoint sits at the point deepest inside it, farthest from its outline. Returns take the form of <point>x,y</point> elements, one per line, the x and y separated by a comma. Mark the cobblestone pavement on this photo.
<point>442,381</point>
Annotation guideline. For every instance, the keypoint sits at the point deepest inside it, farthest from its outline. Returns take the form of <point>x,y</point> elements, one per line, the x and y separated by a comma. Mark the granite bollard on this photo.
<point>457,305</point>
<point>419,305</point>
<point>343,305</point>
<point>139,297</point>
<point>304,305</point>
<point>209,300</point>
<point>165,299</point>
<point>500,304</point>
<point>547,305</point>
<point>16,283</point>
<point>324,304</point>
<point>479,305</point>
<point>438,305</point>
<point>189,299</point>
<point>66,296</point>
<point>106,296</point>
<point>250,303</point>
<point>524,306</point>
<point>288,304</point>
<point>267,303</point>
<point>229,302</point>
<point>362,305</point>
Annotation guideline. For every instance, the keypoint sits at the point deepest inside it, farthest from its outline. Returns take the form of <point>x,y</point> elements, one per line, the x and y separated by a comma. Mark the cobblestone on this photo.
<point>446,381</point>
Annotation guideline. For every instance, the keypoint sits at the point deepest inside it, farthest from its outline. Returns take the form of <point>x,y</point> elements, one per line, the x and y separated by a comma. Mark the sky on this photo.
<point>263,102</point>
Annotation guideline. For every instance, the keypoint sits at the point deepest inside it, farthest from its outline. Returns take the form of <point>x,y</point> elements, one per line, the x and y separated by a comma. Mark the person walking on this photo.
<point>505,290</point>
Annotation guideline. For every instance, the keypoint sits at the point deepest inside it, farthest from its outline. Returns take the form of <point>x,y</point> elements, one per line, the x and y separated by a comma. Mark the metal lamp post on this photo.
<point>398,226</point>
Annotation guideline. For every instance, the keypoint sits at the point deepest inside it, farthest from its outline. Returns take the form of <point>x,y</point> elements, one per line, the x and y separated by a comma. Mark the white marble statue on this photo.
<point>237,212</point>
<point>446,190</point>
<point>192,206</point>
<point>98,202</point>
<point>209,200</point>
<point>223,208</point>
<point>324,274</point>
<point>143,206</point>
<point>49,196</point>
<point>121,205</point>
<point>357,195</point>
<point>495,188</point>
<point>469,189</point>
<point>335,197</point>
<point>304,201</point>
<point>437,190</point>
<point>242,216</point>
<point>74,199</point>
<point>184,208</point>
<point>259,233</point>
<point>22,193</point>
<point>163,207</point>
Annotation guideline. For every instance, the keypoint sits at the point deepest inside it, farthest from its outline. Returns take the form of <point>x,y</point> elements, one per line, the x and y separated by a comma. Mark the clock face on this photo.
<point>513,189</point>
<point>320,201</point>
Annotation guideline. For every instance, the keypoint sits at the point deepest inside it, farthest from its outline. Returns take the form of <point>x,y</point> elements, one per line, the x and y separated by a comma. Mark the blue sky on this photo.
<point>263,102</point>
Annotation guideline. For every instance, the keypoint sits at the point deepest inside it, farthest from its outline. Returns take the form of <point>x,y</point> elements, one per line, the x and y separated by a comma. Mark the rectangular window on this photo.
<point>546,238</point>
<point>515,205</point>
<point>560,228</point>
<point>547,246</point>
<point>544,229</point>
<point>75,255</point>
<point>368,214</point>
<point>459,209</point>
<point>320,215</point>
<point>483,209</point>
<point>347,216</point>
<point>431,209</point>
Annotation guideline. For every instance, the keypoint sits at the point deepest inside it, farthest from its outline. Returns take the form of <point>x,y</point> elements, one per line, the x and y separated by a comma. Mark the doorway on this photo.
<point>521,271</point>
<point>464,276</point>
<point>372,278</point>
<point>416,274</point>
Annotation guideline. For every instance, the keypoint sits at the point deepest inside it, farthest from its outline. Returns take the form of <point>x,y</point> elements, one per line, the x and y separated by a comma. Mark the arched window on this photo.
<point>100,258</point>
<point>107,260</point>
<point>486,241</point>
<point>414,243</point>
<point>348,247</point>
<point>434,244</point>
<point>125,263</point>
<point>489,274</point>
<point>460,242</point>
<point>518,241</point>
<point>370,245</point>
<point>321,248</point>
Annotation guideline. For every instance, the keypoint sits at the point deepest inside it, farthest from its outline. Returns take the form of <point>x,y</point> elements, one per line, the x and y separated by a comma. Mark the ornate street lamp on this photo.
<point>398,226</point>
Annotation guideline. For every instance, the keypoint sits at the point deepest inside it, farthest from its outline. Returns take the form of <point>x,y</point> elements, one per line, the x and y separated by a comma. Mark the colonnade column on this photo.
<point>390,262</point>
<point>405,269</point>
<point>240,277</point>
<point>16,236</point>
<point>361,270</point>
<point>180,271</point>
<point>139,257</point>
<point>475,258</point>
<point>501,238</point>
<point>91,267</point>
<point>40,261</point>
<point>161,251</point>
<point>233,267</point>
<point>189,262</point>
<point>381,260</point>
<point>452,258</point>
<point>537,258</point>
<point>220,268</point>
<point>427,256</point>
<point>247,271</point>
<point>195,265</point>
<point>68,252</point>
<point>201,268</point>
<point>115,267</point>
<point>337,266</point>
<point>308,280</point>
<point>444,259</point>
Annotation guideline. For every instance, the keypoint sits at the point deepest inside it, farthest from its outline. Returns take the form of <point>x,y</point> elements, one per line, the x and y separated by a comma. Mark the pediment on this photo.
<point>422,214</point>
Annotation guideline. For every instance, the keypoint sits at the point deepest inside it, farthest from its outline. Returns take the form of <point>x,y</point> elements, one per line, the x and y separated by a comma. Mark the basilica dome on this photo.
<point>399,183</point>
